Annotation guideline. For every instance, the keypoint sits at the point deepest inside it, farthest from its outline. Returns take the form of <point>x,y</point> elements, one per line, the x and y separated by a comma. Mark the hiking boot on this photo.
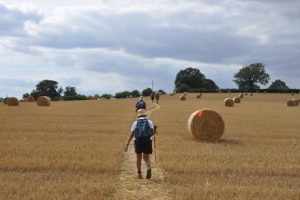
<point>140,175</point>
<point>148,173</point>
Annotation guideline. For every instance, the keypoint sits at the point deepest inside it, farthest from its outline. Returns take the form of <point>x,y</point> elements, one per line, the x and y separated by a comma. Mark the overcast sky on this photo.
<point>107,46</point>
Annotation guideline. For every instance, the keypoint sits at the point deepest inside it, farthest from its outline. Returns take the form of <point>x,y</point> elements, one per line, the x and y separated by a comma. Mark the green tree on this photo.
<point>192,77</point>
<point>147,92</point>
<point>278,85</point>
<point>106,96</point>
<point>70,91</point>
<point>46,88</point>
<point>182,88</point>
<point>210,85</point>
<point>250,76</point>
<point>26,95</point>
<point>161,91</point>
<point>122,95</point>
<point>135,93</point>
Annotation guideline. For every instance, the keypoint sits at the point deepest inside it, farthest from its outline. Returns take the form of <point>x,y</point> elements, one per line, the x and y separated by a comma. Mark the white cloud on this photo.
<point>108,45</point>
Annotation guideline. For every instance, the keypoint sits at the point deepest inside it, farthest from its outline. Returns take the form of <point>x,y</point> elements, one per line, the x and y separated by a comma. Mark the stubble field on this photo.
<point>73,150</point>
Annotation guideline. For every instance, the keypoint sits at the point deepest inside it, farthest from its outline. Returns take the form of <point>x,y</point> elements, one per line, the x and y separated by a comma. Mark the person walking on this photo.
<point>142,130</point>
<point>140,104</point>
<point>157,97</point>
<point>152,96</point>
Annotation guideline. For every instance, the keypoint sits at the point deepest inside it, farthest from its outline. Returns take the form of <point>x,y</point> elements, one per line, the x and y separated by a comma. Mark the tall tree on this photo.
<point>193,79</point>
<point>210,84</point>
<point>46,88</point>
<point>26,95</point>
<point>135,93</point>
<point>70,91</point>
<point>147,92</point>
<point>250,76</point>
<point>278,85</point>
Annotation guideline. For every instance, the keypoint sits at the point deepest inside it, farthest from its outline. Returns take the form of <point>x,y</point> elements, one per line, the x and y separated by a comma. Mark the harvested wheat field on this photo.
<point>74,150</point>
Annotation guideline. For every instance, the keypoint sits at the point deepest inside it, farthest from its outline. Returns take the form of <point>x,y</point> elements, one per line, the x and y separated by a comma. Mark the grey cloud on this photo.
<point>232,32</point>
<point>13,19</point>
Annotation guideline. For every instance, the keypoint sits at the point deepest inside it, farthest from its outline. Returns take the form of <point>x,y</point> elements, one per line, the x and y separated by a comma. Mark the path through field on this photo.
<point>130,187</point>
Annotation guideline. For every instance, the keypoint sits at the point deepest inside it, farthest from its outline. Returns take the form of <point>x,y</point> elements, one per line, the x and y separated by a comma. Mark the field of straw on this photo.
<point>73,150</point>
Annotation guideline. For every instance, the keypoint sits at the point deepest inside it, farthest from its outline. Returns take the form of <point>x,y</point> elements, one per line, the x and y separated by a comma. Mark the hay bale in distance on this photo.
<point>199,96</point>
<point>12,101</point>
<point>292,102</point>
<point>229,102</point>
<point>241,95</point>
<point>182,98</point>
<point>43,101</point>
<point>5,100</point>
<point>251,94</point>
<point>236,100</point>
<point>30,99</point>
<point>206,125</point>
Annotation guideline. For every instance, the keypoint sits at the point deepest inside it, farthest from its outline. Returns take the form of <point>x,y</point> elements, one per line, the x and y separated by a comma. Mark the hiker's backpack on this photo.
<point>140,105</point>
<point>142,130</point>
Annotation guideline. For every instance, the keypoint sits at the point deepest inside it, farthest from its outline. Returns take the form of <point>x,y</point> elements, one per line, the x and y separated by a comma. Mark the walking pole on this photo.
<point>154,149</point>
<point>155,127</point>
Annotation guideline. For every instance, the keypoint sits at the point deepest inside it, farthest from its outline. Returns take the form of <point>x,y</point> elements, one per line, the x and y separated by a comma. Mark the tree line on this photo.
<point>190,79</point>
<point>51,89</point>
<point>247,79</point>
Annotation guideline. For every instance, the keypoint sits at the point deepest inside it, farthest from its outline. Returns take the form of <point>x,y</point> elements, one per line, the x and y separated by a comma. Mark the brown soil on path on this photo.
<point>130,187</point>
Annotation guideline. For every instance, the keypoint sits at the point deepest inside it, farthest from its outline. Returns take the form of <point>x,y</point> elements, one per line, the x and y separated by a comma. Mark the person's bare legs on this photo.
<point>139,164</point>
<point>147,161</point>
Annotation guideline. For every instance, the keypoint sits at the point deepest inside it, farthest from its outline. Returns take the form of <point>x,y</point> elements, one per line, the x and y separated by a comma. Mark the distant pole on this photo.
<point>152,85</point>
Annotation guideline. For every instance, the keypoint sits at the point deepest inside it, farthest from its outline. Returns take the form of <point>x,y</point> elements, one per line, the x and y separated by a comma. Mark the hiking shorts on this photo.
<point>143,146</point>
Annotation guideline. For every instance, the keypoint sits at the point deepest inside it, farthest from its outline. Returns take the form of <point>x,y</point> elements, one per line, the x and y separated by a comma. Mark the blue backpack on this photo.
<point>140,105</point>
<point>142,130</point>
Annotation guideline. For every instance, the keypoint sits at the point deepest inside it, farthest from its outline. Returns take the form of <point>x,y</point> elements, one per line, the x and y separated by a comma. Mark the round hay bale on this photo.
<point>199,96</point>
<point>30,99</point>
<point>251,94</point>
<point>245,93</point>
<point>292,94</point>
<point>5,100</point>
<point>12,101</point>
<point>241,95</point>
<point>185,94</point>
<point>291,102</point>
<point>228,102</point>
<point>236,100</point>
<point>206,125</point>
<point>43,101</point>
<point>182,98</point>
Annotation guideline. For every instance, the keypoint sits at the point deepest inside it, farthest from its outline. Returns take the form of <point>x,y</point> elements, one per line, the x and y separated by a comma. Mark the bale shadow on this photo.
<point>229,142</point>
<point>223,141</point>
